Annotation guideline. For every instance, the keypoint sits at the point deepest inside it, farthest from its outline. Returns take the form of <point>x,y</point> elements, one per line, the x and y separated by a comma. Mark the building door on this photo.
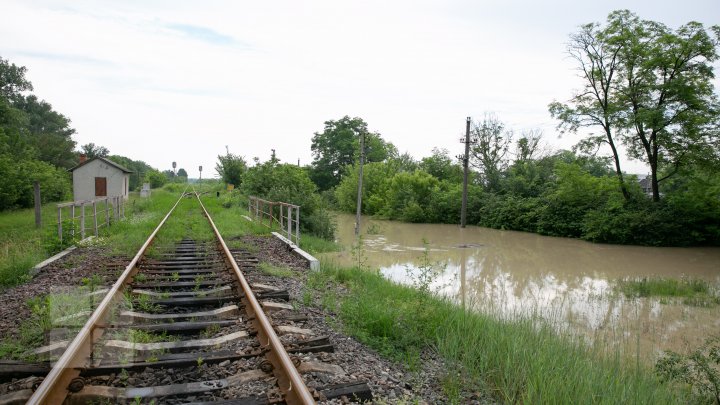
<point>100,186</point>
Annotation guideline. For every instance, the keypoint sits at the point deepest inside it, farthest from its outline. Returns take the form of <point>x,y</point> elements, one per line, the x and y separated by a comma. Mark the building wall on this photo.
<point>84,180</point>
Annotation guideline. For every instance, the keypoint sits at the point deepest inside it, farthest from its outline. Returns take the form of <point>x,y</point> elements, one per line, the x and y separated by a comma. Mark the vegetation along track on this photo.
<point>190,321</point>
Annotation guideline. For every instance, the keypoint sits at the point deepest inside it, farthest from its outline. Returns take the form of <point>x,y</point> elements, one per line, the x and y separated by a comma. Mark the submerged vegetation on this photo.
<point>694,292</point>
<point>521,360</point>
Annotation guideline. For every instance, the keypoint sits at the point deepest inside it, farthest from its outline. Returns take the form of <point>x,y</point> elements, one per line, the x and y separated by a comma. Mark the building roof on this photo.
<point>108,161</point>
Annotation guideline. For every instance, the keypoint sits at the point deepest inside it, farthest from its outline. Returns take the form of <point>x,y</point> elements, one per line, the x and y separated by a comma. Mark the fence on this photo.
<point>289,222</point>
<point>113,210</point>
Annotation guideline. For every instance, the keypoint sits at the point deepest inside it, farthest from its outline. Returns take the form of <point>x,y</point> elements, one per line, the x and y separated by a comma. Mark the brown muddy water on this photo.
<point>569,283</point>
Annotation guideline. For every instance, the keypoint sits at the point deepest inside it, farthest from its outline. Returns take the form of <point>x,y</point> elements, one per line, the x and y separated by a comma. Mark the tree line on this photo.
<point>36,144</point>
<point>647,88</point>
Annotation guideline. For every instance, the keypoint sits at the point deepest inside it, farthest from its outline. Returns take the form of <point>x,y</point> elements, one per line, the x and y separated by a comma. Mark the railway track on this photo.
<point>192,321</point>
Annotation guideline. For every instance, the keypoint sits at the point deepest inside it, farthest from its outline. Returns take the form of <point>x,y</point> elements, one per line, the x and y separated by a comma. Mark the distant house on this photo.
<point>646,185</point>
<point>99,177</point>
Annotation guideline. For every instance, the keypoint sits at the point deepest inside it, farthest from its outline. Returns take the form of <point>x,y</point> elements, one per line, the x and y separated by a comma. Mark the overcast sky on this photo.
<point>164,81</point>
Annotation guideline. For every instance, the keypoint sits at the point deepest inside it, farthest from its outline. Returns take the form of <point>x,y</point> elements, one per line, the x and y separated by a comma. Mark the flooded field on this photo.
<point>568,282</point>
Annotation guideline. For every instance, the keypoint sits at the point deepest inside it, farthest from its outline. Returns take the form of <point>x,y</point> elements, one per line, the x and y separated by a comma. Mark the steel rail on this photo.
<point>294,387</point>
<point>54,387</point>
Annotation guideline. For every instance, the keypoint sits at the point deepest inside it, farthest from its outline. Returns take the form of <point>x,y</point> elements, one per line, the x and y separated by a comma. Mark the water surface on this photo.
<point>566,281</point>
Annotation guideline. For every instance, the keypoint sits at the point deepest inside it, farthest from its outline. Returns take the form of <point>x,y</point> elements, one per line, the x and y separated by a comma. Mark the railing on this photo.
<point>289,222</point>
<point>113,210</point>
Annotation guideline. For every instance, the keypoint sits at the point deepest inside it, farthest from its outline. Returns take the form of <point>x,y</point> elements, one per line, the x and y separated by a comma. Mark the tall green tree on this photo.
<point>488,153</point>
<point>339,146</point>
<point>595,104</point>
<point>48,131</point>
<point>92,151</point>
<point>231,168</point>
<point>12,80</point>
<point>649,87</point>
<point>665,92</point>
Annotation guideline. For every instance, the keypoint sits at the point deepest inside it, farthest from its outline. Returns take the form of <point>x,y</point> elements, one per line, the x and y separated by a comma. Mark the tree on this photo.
<point>651,87</point>
<point>595,104</point>
<point>182,173</point>
<point>138,168</point>
<point>155,178</point>
<point>664,85</point>
<point>338,146</point>
<point>528,146</point>
<point>490,144</point>
<point>12,80</point>
<point>231,168</point>
<point>442,166</point>
<point>48,131</point>
<point>92,151</point>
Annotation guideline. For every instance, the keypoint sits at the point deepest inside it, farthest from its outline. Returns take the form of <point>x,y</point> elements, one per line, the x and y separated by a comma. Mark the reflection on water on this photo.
<point>567,281</point>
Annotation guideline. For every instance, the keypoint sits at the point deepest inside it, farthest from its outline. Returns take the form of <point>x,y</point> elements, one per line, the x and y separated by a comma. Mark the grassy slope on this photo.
<point>22,246</point>
<point>518,361</point>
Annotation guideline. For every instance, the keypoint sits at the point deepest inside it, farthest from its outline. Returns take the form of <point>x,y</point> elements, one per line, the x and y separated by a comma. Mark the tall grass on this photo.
<point>22,246</point>
<point>694,291</point>
<point>520,360</point>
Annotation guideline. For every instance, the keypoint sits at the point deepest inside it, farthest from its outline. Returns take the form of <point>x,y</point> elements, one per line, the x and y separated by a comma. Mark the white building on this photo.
<point>99,177</point>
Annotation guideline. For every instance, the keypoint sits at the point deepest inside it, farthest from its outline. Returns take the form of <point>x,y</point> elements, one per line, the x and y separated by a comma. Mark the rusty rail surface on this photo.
<point>54,387</point>
<point>289,379</point>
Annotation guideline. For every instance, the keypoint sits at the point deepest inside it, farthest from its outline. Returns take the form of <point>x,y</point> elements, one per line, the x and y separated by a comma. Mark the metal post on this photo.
<point>466,158</point>
<point>38,206</point>
<point>360,178</point>
<point>82,220</point>
<point>95,218</point>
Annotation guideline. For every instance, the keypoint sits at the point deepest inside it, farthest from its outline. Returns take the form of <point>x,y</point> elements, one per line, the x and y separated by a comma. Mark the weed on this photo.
<point>210,331</point>
<point>199,361</point>
<point>359,257</point>
<point>276,271</point>
<point>694,291</point>
<point>700,369</point>
<point>175,276</point>
<point>140,278</point>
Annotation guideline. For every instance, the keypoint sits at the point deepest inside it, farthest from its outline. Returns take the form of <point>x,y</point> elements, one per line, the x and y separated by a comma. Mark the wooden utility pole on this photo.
<point>38,206</point>
<point>360,178</point>
<point>466,158</point>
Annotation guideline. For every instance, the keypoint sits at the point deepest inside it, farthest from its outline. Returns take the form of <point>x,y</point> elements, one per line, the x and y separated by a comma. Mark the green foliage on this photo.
<point>442,166</point>
<point>291,184</point>
<point>155,178</point>
<point>338,146</point>
<point>92,151</point>
<point>137,167</point>
<point>696,292</point>
<point>231,169</point>
<point>700,369</point>
<point>519,360</point>
<point>16,183</point>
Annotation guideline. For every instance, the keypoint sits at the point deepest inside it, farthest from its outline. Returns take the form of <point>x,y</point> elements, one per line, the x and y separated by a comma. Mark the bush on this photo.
<point>291,184</point>
<point>16,182</point>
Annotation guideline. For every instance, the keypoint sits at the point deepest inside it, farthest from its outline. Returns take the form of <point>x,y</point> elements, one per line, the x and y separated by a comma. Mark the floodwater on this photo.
<point>570,283</point>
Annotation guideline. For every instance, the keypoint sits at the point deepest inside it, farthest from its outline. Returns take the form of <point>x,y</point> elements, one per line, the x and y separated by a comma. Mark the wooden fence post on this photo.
<point>95,218</point>
<point>107,212</point>
<point>60,223</point>
<point>72,222</point>
<point>82,220</point>
<point>38,206</point>
<point>297,226</point>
